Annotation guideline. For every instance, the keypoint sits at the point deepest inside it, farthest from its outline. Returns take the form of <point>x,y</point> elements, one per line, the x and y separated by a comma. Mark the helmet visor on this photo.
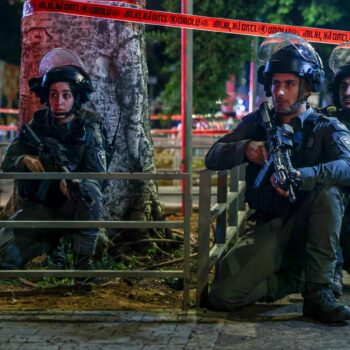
<point>59,57</point>
<point>340,57</point>
<point>278,41</point>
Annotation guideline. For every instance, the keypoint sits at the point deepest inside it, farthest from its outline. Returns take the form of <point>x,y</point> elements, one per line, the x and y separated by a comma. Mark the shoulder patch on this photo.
<point>338,125</point>
<point>345,140</point>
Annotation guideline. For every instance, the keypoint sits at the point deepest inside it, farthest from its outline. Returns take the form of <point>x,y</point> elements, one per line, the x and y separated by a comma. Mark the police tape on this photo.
<point>131,2</point>
<point>153,131</point>
<point>194,132</point>
<point>9,110</point>
<point>169,19</point>
<point>8,128</point>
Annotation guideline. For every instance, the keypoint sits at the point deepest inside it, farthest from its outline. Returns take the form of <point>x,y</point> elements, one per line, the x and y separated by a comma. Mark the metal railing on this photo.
<point>182,224</point>
<point>229,213</point>
<point>202,140</point>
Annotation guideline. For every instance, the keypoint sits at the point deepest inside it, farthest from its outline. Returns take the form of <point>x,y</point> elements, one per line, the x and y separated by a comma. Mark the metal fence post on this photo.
<point>187,241</point>
<point>204,222</point>
<point>221,224</point>
<point>234,188</point>
<point>241,204</point>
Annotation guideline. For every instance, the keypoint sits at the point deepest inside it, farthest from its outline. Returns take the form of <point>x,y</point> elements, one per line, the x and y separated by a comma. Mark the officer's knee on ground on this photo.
<point>224,296</point>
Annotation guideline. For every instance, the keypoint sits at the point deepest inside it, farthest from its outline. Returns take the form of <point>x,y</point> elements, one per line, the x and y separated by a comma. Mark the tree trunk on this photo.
<point>114,55</point>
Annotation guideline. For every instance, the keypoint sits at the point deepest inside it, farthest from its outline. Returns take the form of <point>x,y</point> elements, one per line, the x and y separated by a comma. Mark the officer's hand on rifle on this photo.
<point>279,190</point>
<point>64,188</point>
<point>256,152</point>
<point>33,163</point>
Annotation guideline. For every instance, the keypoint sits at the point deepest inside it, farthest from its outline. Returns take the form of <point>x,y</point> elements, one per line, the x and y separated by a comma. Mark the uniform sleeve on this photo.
<point>228,151</point>
<point>13,157</point>
<point>336,151</point>
<point>19,148</point>
<point>94,158</point>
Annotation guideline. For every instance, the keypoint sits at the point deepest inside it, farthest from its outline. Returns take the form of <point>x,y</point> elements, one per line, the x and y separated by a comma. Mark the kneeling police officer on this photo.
<point>291,247</point>
<point>64,91</point>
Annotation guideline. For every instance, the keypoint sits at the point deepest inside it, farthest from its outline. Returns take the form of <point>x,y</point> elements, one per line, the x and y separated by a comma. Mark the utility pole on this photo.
<point>186,94</point>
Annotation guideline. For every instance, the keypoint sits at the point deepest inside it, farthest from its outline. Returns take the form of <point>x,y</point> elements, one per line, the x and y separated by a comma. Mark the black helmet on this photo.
<point>339,62</point>
<point>289,53</point>
<point>62,65</point>
<point>77,78</point>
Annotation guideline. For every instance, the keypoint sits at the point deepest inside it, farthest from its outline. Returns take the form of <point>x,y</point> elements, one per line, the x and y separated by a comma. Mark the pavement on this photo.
<point>261,326</point>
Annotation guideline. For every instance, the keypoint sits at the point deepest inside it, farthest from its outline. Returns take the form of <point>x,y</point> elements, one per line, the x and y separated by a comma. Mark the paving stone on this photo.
<point>165,347</point>
<point>185,327</point>
<point>180,340</point>
<point>5,338</point>
<point>8,346</point>
<point>239,329</point>
<point>80,347</point>
<point>123,347</point>
<point>36,346</point>
<point>114,340</point>
<point>159,327</point>
<point>21,338</point>
<point>21,330</point>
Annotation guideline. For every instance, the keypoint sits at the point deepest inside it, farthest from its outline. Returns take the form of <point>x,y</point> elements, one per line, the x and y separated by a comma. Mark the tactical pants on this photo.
<point>276,258</point>
<point>344,253</point>
<point>27,244</point>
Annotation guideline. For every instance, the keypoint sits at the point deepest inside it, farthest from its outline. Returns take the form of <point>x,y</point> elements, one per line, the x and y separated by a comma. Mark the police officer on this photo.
<point>290,248</point>
<point>339,62</point>
<point>64,91</point>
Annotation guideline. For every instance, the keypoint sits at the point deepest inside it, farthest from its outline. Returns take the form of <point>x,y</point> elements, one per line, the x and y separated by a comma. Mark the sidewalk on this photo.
<point>263,326</point>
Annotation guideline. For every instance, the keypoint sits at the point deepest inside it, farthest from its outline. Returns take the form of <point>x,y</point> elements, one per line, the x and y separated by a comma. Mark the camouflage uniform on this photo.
<point>43,199</point>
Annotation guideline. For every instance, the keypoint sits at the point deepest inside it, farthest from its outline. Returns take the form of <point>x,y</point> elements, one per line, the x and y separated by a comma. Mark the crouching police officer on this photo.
<point>339,62</point>
<point>63,89</point>
<point>291,247</point>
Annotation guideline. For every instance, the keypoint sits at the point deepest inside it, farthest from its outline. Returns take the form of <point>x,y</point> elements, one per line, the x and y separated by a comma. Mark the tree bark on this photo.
<point>114,55</point>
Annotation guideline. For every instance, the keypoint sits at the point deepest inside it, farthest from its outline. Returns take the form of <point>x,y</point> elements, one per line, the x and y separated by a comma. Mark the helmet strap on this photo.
<point>66,114</point>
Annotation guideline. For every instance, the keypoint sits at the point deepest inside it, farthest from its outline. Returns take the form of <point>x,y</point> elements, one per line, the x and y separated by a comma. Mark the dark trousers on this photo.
<point>22,245</point>
<point>276,258</point>
<point>343,253</point>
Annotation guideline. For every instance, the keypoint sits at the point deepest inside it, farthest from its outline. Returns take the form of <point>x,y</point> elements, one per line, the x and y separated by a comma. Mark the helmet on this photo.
<point>289,53</point>
<point>61,65</point>
<point>78,79</point>
<point>339,62</point>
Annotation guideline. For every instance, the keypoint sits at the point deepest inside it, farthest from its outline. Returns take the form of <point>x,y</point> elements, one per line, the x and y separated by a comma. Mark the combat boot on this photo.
<point>84,262</point>
<point>56,259</point>
<point>320,304</point>
<point>337,284</point>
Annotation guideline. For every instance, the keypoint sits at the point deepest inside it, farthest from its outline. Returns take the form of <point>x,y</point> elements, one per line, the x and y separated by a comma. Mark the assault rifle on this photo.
<point>280,144</point>
<point>53,156</point>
